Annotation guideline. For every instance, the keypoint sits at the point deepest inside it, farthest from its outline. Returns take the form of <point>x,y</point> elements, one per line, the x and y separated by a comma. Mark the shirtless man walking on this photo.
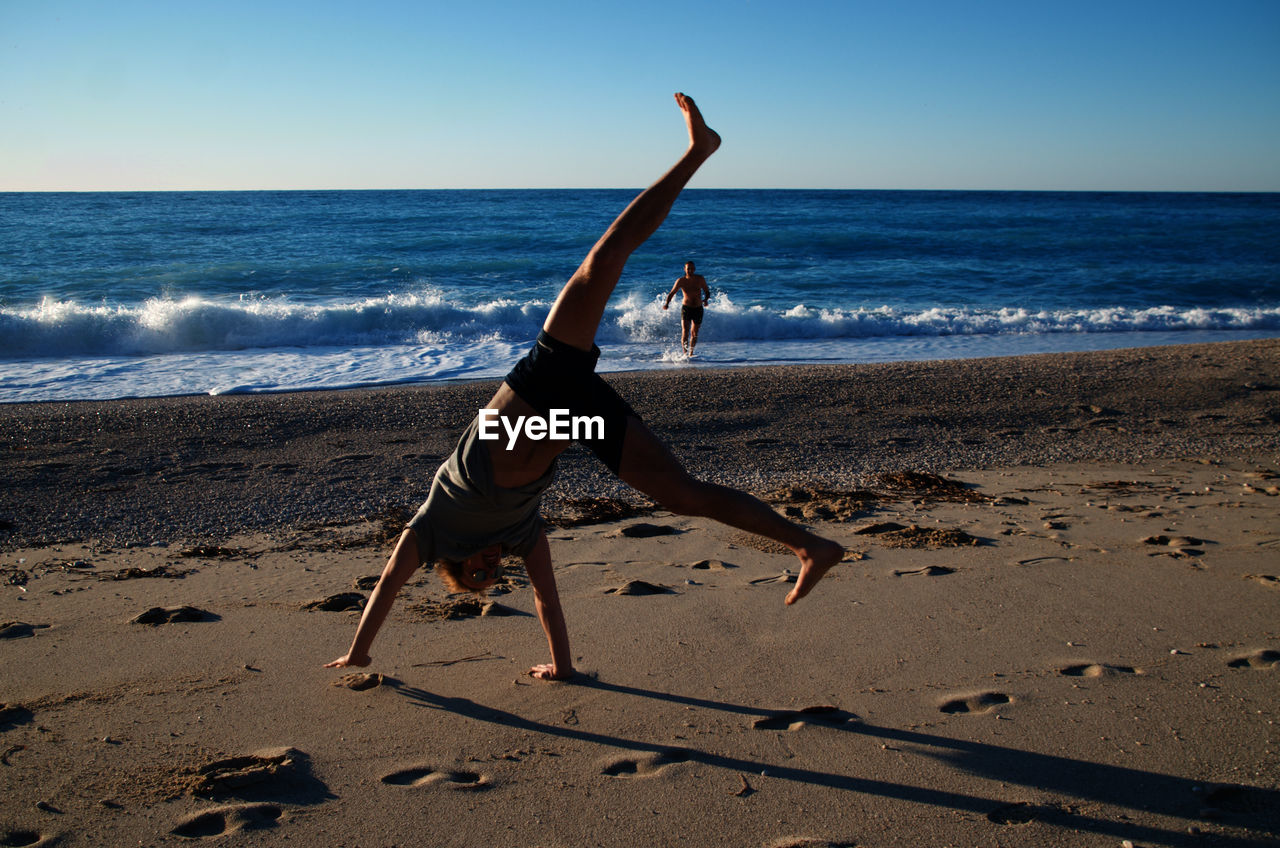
<point>696,295</point>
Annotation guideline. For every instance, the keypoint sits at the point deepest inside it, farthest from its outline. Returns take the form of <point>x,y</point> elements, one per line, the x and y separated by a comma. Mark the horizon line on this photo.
<point>639,188</point>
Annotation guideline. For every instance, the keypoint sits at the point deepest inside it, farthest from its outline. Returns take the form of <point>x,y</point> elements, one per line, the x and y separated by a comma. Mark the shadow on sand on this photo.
<point>1237,807</point>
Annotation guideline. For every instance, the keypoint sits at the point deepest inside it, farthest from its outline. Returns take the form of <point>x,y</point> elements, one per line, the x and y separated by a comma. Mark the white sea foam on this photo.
<point>726,321</point>
<point>198,325</point>
<point>63,350</point>
<point>195,324</point>
<point>297,369</point>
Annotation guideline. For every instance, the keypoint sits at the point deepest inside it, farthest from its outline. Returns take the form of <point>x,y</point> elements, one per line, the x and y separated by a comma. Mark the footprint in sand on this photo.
<point>340,602</point>
<point>1174,541</point>
<point>1097,670</point>
<point>646,765</point>
<point>798,719</point>
<point>221,821</point>
<point>646,531</point>
<point>412,777</point>
<point>785,577</point>
<point>419,776</point>
<point>26,839</point>
<point>12,715</point>
<point>983,702</point>
<point>19,630</point>
<point>1042,559</point>
<point>1258,659</point>
<point>1269,580</point>
<point>808,842</point>
<point>1225,798</point>
<point>640,587</point>
<point>236,773</point>
<point>359,681</point>
<point>171,615</point>
<point>495,609</point>
<point>712,565</point>
<point>1019,812</point>
<point>879,528</point>
<point>927,571</point>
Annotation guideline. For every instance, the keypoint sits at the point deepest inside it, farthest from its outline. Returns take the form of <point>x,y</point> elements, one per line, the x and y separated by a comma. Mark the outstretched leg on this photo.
<point>650,467</point>
<point>576,314</point>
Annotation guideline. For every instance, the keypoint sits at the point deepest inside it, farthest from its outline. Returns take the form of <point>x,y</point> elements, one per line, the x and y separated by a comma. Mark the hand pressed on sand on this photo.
<point>348,661</point>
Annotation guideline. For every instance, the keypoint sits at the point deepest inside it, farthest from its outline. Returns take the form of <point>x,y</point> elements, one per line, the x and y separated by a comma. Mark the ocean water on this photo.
<point>111,295</point>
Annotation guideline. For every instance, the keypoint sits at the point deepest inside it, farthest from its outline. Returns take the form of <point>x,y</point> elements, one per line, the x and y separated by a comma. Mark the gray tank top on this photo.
<point>466,511</point>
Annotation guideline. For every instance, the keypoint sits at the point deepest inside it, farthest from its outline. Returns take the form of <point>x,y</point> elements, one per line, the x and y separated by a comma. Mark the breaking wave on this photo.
<point>57,328</point>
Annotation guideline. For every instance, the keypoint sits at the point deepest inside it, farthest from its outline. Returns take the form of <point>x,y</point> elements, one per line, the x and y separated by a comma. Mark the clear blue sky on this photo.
<point>196,94</point>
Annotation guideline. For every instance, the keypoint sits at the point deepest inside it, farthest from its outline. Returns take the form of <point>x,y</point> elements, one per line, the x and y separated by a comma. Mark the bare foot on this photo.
<point>702,138</point>
<point>815,561</point>
<point>548,672</point>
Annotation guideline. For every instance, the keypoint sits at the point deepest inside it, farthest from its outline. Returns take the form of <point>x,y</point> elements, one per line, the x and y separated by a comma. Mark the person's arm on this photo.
<point>706,291</point>
<point>547,601</point>
<point>674,288</point>
<point>400,567</point>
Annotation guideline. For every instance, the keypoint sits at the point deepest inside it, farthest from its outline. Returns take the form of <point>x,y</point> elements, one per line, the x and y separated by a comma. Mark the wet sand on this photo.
<point>1057,623</point>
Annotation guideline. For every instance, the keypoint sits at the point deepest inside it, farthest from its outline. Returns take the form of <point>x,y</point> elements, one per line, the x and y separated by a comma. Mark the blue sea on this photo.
<point>113,295</point>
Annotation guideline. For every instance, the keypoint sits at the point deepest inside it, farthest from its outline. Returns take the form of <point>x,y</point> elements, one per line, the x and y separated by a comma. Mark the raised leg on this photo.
<point>576,314</point>
<point>649,466</point>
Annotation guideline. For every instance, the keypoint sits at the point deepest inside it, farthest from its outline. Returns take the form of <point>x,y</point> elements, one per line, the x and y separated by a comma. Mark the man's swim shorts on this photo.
<point>555,375</point>
<point>691,313</point>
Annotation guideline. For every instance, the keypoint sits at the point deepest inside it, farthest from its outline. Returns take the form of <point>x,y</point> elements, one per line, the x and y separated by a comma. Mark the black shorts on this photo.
<point>691,313</point>
<point>554,375</point>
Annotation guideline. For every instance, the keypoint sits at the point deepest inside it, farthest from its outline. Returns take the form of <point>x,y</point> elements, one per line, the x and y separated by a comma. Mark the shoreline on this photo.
<point>36,380</point>
<point>204,468</point>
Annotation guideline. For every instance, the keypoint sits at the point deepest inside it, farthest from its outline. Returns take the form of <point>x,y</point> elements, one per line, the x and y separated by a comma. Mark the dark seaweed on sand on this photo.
<point>931,487</point>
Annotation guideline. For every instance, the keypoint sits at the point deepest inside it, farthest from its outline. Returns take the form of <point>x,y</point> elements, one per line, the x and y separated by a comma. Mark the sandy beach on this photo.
<point>1058,622</point>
